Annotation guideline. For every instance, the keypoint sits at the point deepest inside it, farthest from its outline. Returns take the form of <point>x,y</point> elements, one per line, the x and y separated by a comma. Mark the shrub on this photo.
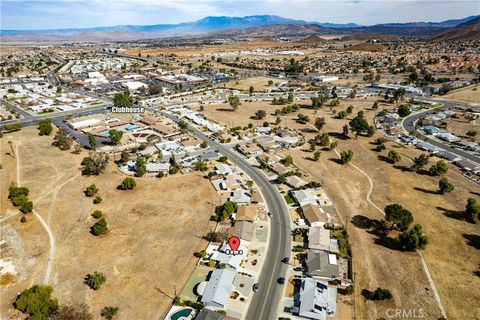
<point>413,239</point>
<point>100,227</point>
<point>95,164</point>
<point>445,186</point>
<point>109,312</point>
<point>127,184</point>
<point>95,280</point>
<point>91,190</point>
<point>97,200</point>
<point>438,168</point>
<point>97,214</point>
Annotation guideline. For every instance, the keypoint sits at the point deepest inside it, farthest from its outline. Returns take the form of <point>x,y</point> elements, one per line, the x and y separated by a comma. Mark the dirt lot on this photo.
<point>375,262</point>
<point>147,253</point>
<point>470,95</point>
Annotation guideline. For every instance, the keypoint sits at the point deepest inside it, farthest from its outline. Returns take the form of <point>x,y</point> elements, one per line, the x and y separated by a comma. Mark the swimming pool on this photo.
<point>183,313</point>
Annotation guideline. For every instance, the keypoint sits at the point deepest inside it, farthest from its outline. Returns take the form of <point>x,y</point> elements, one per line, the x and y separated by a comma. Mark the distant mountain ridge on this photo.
<point>469,30</point>
<point>263,24</point>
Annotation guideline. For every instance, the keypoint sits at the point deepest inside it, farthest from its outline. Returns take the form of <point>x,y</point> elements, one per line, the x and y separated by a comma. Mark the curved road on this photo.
<point>265,302</point>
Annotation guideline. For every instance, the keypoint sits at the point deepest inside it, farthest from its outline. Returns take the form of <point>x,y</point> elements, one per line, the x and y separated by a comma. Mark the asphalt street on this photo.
<point>409,126</point>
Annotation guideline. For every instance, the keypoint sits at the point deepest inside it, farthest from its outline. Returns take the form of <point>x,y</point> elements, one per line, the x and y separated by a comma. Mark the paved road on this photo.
<point>409,126</point>
<point>265,302</point>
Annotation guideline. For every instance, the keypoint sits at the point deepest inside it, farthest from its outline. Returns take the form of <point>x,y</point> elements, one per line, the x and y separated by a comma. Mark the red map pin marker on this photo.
<point>234,243</point>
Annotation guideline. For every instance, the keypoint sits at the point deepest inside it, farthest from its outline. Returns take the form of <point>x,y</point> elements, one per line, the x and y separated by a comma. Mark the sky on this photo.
<point>40,14</point>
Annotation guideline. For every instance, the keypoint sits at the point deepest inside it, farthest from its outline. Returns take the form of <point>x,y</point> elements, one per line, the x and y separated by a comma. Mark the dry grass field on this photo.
<point>147,253</point>
<point>452,255</point>
<point>258,83</point>
<point>461,126</point>
<point>469,95</point>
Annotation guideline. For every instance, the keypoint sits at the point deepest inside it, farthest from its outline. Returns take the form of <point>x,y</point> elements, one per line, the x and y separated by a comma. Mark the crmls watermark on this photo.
<point>399,313</point>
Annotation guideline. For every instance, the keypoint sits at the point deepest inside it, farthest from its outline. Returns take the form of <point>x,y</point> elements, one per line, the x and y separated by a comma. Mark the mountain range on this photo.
<point>262,25</point>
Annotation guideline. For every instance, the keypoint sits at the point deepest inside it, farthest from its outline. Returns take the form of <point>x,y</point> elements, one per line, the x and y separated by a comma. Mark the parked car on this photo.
<point>269,214</point>
<point>281,280</point>
<point>256,286</point>
<point>286,260</point>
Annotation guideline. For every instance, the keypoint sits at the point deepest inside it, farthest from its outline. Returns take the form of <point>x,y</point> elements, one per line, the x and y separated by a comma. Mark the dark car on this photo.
<point>286,260</point>
<point>256,286</point>
<point>281,280</point>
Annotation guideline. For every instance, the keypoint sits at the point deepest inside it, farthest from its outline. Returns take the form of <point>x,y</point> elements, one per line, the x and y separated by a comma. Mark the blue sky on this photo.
<point>40,14</point>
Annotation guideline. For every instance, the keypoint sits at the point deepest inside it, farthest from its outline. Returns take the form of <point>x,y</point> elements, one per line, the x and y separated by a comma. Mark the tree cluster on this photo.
<point>62,141</point>
<point>19,197</point>
<point>45,127</point>
<point>94,164</point>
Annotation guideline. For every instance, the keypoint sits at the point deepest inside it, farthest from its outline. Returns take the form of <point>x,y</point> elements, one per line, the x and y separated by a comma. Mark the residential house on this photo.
<point>279,168</point>
<point>319,239</point>
<point>314,215</point>
<point>242,230</point>
<point>240,196</point>
<point>304,197</point>
<point>322,264</point>
<point>223,169</point>
<point>317,300</point>
<point>295,181</point>
<point>250,150</point>
<point>218,288</point>
<point>246,213</point>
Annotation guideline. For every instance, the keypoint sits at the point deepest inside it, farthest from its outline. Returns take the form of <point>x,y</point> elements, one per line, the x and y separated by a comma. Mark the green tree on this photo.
<point>345,130</point>
<point>223,159</point>
<point>204,144</point>
<point>201,166</point>
<point>316,155</point>
<point>95,164</point>
<point>37,302</point>
<point>234,102</point>
<point>123,99</point>
<point>250,90</point>
<point>445,186</point>
<point>400,217</point>
<point>333,145</point>
<point>141,165</point>
<point>95,280</point>
<point>125,156</point>
<point>438,168</point>
<point>91,190</point>
<point>127,184</point>
<point>260,114</point>
<point>359,124</point>
<point>115,136</point>
<point>45,127</point>
<point>227,209</point>
<point>375,105</point>
<point>412,239</point>
<point>97,200</point>
<point>319,123</point>
<point>92,141</point>
<point>420,162</point>
<point>403,110</point>
<point>288,160</point>
<point>346,156</point>
<point>109,312</point>
<point>100,227</point>
<point>393,156</point>
<point>472,210</point>
<point>62,141</point>
<point>370,131</point>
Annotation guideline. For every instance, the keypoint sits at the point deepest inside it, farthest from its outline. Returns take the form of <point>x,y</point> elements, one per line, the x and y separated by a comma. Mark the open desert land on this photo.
<point>452,255</point>
<point>147,253</point>
<point>207,49</point>
<point>470,95</point>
